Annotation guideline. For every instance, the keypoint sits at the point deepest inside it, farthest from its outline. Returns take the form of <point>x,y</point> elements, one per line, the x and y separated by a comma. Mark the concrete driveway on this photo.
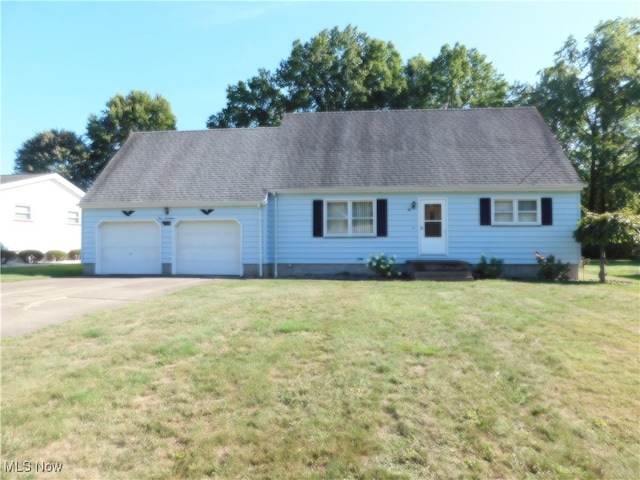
<point>30,305</point>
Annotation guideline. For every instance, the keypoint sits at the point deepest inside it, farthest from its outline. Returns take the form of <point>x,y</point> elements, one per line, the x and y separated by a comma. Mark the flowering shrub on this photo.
<point>383,265</point>
<point>552,269</point>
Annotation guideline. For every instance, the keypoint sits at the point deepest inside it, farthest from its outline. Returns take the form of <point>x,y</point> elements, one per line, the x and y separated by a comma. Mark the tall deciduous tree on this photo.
<point>335,70</point>
<point>257,102</point>
<point>342,70</point>
<point>591,100</point>
<point>54,151</point>
<point>138,111</point>
<point>348,70</point>
<point>457,78</point>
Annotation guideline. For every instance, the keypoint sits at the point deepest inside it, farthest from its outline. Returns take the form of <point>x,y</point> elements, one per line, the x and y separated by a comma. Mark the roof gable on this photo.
<point>8,182</point>
<point>401,149</point>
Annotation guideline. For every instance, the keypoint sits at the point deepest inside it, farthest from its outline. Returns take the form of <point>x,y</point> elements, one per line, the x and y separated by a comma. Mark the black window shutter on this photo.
<point>546,205</point>
<point>381,220</point>
<point>485,211</point>
<point>318,220</point>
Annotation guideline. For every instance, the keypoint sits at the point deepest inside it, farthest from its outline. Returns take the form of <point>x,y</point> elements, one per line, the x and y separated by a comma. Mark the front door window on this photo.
<point>433,220</point>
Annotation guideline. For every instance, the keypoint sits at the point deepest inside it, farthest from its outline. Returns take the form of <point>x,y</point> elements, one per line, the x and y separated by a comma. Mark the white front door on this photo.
<point>433,226</point>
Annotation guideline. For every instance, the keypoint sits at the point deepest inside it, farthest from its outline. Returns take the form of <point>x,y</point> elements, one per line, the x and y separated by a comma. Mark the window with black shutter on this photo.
<point>516,211</point>
<point>350,218</point>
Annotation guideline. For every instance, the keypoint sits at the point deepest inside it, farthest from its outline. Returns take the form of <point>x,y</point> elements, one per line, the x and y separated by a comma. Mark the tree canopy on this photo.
<point>458,77</point>
<point>54,151</point>
<point>341,70</point>
<point>591,101</point>
<point>348,70</point>
<point>138,111</point>
<point>66,153</point>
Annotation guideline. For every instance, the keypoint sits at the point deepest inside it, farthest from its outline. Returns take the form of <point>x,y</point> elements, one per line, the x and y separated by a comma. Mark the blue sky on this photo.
<point>62,61</point>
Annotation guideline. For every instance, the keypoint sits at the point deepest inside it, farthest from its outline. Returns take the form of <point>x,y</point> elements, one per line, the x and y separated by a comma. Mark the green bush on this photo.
<point>8,255</point>
<point>383,265</point>
<point>552,269</point>
<point>55,256</point>
<point>74,254</point>
<point>491,269</point>
<point>31,256</point>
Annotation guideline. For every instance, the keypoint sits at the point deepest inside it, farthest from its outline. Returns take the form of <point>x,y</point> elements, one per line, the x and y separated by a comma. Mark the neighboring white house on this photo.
<point>39,212</point>
<point>323,191</point>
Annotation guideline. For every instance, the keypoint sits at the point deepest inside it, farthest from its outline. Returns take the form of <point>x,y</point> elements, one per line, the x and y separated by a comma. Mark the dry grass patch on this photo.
<point>322,379</point>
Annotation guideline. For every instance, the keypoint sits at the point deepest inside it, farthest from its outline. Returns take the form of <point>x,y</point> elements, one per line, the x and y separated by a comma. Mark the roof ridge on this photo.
<point>412,110</point>
<point>226,129</point>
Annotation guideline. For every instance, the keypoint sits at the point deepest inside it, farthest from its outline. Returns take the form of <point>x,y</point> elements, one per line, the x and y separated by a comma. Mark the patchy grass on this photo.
<point>316,379</point>
<point>617,271</point>
<point>35,272</point>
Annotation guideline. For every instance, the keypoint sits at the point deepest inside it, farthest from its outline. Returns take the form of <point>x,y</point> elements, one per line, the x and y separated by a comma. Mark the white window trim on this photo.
<point>28,211</point>
<point>349,203</point>
<point>514,203</point>
<point>76,217</point>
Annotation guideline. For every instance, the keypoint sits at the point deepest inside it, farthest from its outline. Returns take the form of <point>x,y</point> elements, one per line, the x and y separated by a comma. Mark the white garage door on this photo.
<point>129,248</point>
<point>208,248</point>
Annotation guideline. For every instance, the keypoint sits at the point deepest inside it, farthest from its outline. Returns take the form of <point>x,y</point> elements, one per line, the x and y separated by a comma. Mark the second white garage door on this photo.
<point>208,248</point>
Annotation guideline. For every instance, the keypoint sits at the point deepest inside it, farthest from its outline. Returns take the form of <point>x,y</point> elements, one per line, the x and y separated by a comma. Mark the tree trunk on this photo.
<point>603,261</point>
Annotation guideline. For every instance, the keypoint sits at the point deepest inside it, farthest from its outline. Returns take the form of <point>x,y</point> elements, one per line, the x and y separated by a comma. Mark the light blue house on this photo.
<point>323,191</point>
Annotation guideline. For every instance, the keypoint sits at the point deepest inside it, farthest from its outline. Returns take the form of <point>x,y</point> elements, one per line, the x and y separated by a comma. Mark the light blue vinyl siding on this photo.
<point>467,239</point>
<point>291,233</point>
<point>248,217</point>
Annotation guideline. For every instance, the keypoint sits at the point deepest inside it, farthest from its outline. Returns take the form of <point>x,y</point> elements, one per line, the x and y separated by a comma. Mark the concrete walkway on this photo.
<point>31,305</point>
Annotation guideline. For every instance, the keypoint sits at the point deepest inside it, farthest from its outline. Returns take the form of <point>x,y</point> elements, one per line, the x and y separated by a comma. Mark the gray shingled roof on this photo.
<point>398,149</point>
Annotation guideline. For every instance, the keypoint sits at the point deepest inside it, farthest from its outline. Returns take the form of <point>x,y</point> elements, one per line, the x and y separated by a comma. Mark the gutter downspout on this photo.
<point>275,236</point>
<point>260,240</point>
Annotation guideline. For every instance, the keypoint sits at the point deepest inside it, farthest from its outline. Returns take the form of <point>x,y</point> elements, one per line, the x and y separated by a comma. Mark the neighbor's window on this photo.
<point>73,217</point>
<point>516,211</point>
<point>350,218</point>
<point>23,212</point>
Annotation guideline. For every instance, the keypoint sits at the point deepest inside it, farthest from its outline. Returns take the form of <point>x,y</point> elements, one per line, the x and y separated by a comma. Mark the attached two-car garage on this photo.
<point>193,248</point>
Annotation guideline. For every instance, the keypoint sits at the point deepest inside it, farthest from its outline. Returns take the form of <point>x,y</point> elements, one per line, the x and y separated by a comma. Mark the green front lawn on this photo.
<point>331,379</point>
<point>37,272</point>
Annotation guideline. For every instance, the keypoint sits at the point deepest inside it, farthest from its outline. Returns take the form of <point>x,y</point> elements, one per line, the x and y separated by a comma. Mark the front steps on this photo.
<point>439,270</point>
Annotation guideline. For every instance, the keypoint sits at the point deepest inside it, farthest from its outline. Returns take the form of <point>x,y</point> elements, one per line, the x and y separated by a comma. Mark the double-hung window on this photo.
<point>350,218</point>
<point>73,217</point>
<point>23,212</point>
<point>517,211</point>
